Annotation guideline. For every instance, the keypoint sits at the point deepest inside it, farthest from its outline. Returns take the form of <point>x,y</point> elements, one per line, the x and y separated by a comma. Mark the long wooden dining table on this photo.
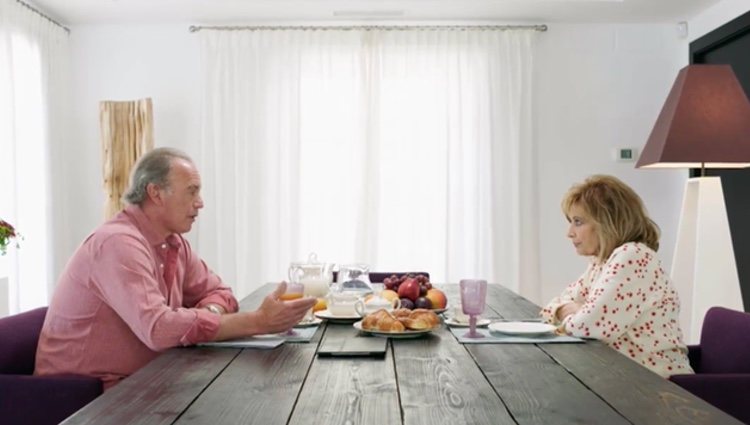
<point>429,380</point>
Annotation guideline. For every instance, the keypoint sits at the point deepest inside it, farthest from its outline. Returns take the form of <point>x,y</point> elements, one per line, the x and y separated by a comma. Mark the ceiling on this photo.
<point>77,12</point>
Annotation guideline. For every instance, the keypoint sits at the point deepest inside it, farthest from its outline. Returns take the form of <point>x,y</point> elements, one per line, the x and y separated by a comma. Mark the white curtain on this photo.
<point>401,149</point>
<point>33,72</point>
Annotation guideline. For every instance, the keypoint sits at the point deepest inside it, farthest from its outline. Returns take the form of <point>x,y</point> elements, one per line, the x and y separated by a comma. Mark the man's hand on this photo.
<point>566,310</point>
<point>273,316</point>
<point>276,315</point>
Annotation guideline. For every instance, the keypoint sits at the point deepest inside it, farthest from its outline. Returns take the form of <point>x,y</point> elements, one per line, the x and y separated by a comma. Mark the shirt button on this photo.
<point>161,265</point>
<point>163,246</point>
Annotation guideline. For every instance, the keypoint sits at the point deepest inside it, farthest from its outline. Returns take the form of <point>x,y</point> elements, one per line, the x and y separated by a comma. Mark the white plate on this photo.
<point>315,321</point>
<point>522,328</point>
<point>452,322</point>
<point>400,335</point>
<point>325,314</point>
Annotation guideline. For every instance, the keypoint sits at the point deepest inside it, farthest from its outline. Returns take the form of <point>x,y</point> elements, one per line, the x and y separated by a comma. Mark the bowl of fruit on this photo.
<point>414,291</point>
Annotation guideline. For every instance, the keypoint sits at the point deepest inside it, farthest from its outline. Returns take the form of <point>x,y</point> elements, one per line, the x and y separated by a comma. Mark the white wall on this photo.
<point>598,87</point>
<point>124,63</point>
<point>716,16</point>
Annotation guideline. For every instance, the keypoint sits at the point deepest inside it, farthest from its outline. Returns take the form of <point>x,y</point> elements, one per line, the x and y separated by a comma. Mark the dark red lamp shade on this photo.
<point>705,121</point>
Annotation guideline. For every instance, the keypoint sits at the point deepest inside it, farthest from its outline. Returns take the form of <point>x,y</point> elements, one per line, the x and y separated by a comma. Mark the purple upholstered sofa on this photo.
<point>27,399</point>
<point>722,363</point>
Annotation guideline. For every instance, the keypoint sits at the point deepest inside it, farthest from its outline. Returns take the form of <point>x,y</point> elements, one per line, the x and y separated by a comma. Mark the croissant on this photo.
<point>401,312</point>
<point>420,319</point>
<point>400,319</point>
<point>382,321</point>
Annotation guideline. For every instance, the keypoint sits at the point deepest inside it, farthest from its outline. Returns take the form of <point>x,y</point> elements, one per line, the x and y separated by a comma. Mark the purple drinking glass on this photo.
<point>473,299</point>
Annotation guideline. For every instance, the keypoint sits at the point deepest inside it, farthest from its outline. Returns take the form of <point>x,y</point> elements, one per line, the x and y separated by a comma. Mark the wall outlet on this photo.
<point>625,154</point>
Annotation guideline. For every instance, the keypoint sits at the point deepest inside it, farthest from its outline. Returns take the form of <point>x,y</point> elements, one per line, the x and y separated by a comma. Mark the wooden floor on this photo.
<point>430,380</point>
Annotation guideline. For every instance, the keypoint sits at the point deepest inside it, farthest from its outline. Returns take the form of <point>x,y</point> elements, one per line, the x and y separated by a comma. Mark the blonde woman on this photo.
<point>624,298</point>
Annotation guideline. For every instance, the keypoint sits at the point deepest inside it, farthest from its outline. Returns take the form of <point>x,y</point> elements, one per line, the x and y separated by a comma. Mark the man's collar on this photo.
<point>148,229</point>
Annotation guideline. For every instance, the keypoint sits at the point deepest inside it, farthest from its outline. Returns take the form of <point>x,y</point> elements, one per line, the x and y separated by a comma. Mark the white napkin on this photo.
<point>262,342</point>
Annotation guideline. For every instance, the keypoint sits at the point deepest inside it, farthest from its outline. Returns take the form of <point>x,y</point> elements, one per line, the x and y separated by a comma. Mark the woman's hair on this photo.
<point>617,211</point>
<point>153,167</point>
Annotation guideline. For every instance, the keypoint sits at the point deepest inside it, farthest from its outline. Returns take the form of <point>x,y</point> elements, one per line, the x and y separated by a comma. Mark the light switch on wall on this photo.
<point>625,154</point>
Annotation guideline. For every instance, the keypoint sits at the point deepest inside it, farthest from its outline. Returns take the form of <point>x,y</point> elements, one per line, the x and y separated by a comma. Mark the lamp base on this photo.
<point>703,268</point>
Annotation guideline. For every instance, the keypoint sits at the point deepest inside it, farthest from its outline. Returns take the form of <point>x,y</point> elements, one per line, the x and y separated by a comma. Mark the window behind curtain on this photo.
<point>403,150</point>
<point>30,73</point>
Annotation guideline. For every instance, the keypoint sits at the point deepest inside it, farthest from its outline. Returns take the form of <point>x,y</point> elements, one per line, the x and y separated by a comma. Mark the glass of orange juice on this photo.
<point>293,291</point>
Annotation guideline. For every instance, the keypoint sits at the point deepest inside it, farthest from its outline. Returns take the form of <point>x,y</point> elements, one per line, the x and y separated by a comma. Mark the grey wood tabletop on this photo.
<point>429,380</point>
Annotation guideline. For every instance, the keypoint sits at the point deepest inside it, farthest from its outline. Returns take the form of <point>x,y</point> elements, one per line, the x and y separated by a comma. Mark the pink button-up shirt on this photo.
<point>113,312</point>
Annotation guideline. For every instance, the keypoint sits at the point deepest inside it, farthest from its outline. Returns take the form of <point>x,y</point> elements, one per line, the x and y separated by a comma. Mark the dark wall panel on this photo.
<point>730,44</point>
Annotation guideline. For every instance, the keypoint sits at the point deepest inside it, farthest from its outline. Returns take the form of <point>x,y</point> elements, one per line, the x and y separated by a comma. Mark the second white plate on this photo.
<point>452,322</point>
<point>522,328</point>
<point>326,314</point>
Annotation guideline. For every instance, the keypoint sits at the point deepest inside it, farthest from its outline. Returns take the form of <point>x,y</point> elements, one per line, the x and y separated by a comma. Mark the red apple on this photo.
<point>437,297</point>
<point>409,289</point>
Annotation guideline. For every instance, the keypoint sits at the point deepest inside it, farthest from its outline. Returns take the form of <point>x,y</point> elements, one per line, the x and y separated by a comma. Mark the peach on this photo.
<point>437,297</point>
<point>389,294</point>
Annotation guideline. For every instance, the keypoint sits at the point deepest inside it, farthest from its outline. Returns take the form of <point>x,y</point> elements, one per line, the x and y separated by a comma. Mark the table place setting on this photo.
<point>302,334</point>
<point>492,337</point>
<point>298,334</point>
<point>456,318</point>
<point>455,322</point>
<point>473,300</point>
<point>265,342</point>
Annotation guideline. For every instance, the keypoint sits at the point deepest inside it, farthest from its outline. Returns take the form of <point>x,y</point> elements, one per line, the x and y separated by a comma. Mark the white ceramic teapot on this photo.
<point>374,303</point>
<point>343,304</point>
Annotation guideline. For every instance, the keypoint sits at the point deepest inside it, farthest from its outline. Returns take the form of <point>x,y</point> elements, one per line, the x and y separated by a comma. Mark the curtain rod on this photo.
<point>542,28</point>
<point>35,10</point>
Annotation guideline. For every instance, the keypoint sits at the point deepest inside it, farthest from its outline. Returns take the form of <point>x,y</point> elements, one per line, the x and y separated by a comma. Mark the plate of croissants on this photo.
<point>399,323</point>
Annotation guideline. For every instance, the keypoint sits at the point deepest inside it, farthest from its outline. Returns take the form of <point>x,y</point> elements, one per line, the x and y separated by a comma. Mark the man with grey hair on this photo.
<point>135,287</point>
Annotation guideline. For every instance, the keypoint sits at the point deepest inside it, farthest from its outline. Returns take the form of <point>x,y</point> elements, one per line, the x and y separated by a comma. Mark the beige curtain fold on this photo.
<point>127,132</point>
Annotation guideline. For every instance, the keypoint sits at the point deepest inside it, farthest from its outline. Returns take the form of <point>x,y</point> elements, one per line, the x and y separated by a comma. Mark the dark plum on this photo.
<point>407,303</point>
<point>423,302</point>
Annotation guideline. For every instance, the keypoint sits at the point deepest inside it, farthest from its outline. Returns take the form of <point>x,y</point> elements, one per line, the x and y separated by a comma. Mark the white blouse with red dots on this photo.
<point>628,302</point>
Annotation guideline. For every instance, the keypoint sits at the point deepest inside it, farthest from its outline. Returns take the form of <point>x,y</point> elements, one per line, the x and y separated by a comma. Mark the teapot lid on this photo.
<point>312,266</point>
<point>354,270</point>
<point>312,260</point>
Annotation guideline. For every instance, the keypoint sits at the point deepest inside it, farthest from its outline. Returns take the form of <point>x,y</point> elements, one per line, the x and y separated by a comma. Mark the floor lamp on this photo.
<point>705,123</point>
